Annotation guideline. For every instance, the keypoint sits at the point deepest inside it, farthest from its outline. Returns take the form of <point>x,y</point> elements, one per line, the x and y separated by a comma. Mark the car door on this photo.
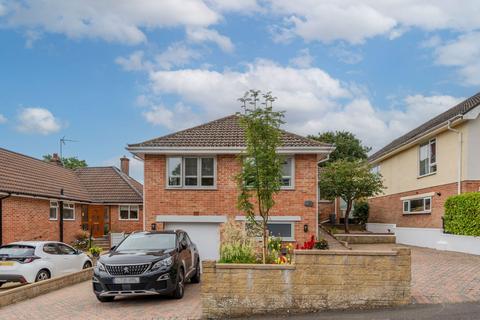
<point>69,257</point>
<point>185,252</point>
<point>191,250</point>
<point>51,254</point>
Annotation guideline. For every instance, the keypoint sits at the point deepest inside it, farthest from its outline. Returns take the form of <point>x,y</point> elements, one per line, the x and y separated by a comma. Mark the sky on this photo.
<point>107,73</point>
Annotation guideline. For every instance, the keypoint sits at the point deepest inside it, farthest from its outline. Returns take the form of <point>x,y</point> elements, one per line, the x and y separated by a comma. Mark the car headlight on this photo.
<point>162,263</point>
<point>101,266</point>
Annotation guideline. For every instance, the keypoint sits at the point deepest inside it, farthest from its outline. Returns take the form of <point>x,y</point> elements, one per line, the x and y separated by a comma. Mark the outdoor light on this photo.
<point>305,227</point>
<point>154,226</point>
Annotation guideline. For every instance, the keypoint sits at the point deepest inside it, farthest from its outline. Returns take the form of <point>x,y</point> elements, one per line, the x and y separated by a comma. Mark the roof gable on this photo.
<point>221,133</point>
<point>456,111</point>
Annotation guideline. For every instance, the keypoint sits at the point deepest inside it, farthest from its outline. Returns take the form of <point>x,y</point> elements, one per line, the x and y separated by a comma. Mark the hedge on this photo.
<point>462,214</point>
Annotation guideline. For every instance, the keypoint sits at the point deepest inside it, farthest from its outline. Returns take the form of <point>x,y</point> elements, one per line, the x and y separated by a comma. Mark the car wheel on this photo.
<point>196,276</point>
<point>42,275</point>
<point>105,299</point>
<point>180,288</point>
<point>87,265</point>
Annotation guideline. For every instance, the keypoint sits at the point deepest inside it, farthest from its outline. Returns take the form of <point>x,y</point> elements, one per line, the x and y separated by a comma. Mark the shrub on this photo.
<point>360,211</point>
<point>237,246</point>
<point>321,244</point>
<point>81,241</point>
<point>462,214</point>
<point>95,251</point>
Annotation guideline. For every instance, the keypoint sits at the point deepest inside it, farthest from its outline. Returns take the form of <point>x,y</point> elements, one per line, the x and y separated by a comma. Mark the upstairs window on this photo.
<point>191,172</point>
<point>428,158</point>
<point>287,173</point>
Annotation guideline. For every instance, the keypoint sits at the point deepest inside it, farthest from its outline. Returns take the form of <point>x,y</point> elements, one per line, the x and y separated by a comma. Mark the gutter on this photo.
<point>459,164</point>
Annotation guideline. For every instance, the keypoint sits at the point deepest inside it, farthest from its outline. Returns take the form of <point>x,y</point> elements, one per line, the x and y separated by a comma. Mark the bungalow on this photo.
<point>424,167</point>
<point>34,195</point>
<point>190,183</point>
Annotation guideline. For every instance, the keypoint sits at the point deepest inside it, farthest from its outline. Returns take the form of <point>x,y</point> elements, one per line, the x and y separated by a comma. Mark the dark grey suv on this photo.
<point>147,263</point>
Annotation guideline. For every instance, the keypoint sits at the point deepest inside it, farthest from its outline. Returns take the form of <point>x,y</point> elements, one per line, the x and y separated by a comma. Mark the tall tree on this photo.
<point>261,176</point>
<point>349,180</point>
<point>347,145</point>
<point>70,163</point>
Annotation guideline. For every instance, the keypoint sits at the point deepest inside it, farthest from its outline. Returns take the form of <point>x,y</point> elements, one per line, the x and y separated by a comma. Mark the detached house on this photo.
<point>33,193</point>
<point>424,167</point>
<point>190,183</point>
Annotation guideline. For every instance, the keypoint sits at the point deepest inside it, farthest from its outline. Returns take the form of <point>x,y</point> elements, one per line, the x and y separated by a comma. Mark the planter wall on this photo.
<point>353,238</point>
<point>318,280</point>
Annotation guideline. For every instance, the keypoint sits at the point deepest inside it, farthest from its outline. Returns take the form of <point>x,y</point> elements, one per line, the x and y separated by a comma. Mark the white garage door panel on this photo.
<point>205,235</point>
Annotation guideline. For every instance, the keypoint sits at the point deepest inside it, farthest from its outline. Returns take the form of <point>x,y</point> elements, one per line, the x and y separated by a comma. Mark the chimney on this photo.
<point>125,165</point>
<point>56,160</point>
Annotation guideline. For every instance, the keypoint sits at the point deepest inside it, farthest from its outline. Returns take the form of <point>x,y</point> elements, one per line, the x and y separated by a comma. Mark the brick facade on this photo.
<point>160,200</point>
<point>389,209</point>
<point>28,219</point>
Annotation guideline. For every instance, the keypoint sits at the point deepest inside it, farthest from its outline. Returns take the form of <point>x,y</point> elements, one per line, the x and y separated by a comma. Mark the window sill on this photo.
<point>191,188</point>
<point>417,213</point>
<point>427,175</point>
<point>68,219</point>
<point>325,201</point>
<point>128,220</point>
<point>287,188</point>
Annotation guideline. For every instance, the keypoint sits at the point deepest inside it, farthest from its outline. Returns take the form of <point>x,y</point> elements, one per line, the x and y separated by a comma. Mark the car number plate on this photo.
<point>126,280</point>
<point>6,263</point>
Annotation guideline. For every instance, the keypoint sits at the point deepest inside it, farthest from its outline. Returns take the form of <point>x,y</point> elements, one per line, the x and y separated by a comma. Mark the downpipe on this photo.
<point>459,164</point>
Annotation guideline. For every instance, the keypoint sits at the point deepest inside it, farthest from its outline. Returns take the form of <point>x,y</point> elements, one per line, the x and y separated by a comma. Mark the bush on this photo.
<point>321,244</point>
<point>360,211</point>
<point>237,246</point>
<point>462,214</point>
<point>81,241</point>
<point>95,251</point>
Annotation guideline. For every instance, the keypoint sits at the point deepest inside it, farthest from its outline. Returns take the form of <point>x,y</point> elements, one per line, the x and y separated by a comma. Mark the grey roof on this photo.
<point>225,132</point>
<point>458,110</point>
<point>24,175</point>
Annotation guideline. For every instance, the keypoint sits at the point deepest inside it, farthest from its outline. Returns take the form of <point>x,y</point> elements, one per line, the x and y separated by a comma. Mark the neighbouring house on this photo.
<point>424,167</point>
<point>34,192</point>
<point>190,183</point>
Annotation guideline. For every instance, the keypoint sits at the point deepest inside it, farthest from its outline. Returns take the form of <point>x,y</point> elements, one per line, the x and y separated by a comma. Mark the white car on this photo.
<point>32,261</point>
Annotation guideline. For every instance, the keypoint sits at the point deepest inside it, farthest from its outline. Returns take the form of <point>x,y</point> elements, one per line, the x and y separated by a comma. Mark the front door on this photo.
<point>96,221</point>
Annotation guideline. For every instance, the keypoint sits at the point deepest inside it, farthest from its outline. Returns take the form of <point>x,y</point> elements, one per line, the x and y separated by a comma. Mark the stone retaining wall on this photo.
<point>35,289</point>
<point>366,238</point>
<point>318,280</point>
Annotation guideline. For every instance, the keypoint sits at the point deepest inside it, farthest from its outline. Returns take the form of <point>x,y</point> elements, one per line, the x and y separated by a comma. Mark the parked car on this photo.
<point>147,263</point>
<point>32,261</point>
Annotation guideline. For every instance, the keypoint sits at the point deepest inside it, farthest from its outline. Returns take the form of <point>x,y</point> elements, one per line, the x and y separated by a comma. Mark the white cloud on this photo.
<point>134,62</point>
<point>463,53</point>
<point>177,54</point>
<point>179,117</point>
<point>121,21</point>
<point>200,35</point>
<point>303,60</point>
<point>3,119</point>
<point>38,120</point>
<point>245,6</point>
<point>355,21</point>
<point>346,55</point>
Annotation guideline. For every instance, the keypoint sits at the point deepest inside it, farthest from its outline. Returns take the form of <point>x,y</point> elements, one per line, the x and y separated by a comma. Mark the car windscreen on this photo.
<point>148,242</point>
<point>17,250</point>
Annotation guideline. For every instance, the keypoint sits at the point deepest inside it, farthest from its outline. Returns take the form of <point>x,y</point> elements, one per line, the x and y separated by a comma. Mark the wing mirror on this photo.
<point>113,248</point>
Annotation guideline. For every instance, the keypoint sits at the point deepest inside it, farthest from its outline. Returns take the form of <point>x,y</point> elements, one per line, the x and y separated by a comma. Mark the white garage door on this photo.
<point>205,235</point>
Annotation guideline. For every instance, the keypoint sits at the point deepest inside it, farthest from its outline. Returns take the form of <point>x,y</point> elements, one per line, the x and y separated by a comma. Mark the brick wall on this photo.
<point>222,201</point>
<point>389,209</point>
<point>127,226</point>
<point>28,219</point>
<point>319,280</point>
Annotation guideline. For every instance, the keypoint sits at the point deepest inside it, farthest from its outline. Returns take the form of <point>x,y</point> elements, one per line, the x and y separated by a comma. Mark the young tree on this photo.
<point>349,180</point>
<point>347,145</point>
<point>261,176</point>
<point>70,163</point>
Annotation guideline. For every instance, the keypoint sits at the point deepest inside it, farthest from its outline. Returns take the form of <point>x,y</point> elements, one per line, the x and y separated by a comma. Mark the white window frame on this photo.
<point>376,169</point>
<point>292,176</point>
<point>73,210</point>
<point>292,228</point>
<point>129,212</point>
<point>431,164</point>
<point>199,173</point>
<point>276,220</point>
<point>53,204</point>
<point>408,202</point>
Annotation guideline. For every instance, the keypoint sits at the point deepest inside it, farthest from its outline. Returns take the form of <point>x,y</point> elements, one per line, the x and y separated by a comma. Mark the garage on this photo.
<point>204,231</point>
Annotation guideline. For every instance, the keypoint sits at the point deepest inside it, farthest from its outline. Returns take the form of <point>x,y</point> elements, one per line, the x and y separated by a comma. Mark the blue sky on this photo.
<point>108,73</point>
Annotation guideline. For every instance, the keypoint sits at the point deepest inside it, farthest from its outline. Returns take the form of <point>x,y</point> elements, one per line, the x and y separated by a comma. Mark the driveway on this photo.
<point>78,302</point>
<point>441,276</point>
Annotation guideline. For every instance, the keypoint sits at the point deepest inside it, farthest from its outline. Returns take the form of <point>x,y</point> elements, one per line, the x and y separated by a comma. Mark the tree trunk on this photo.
<point>347,214</point>
<point>265,243</point>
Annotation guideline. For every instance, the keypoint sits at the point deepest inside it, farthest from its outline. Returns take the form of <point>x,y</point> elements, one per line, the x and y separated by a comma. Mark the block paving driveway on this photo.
<point>437,277</point>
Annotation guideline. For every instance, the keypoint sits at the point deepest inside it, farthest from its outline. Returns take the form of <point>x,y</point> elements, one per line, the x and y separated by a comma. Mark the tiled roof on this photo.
<point>24,175</point>
<point>222,133</point>
<point>458,110</point>
<point>29,176</point>
<point>110,185</point>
